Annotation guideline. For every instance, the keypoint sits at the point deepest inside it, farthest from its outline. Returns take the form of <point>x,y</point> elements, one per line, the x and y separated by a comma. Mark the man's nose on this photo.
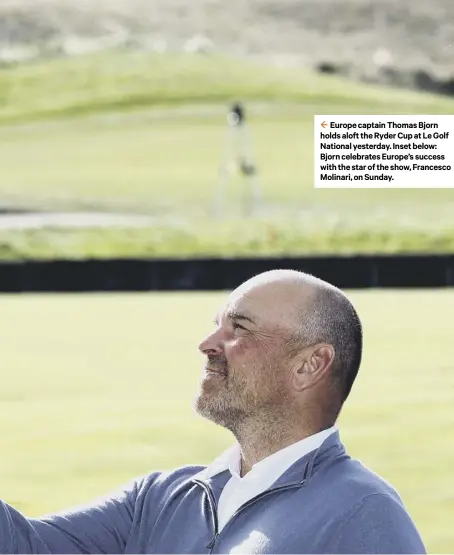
<point>212,344</point>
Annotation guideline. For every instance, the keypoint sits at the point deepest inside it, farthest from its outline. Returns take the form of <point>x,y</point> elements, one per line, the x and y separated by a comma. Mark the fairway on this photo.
<point>169,165</point>
<point>148,132</point>
<point>144,133</point>
<point>98,389</point>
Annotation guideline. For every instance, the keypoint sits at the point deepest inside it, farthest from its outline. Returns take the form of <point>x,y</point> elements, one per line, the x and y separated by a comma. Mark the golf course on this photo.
<point>147,134</point>
<point>98,388</point>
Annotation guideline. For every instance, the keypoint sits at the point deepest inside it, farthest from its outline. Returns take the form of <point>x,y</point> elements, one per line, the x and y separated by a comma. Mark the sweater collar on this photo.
<point>217,474</point>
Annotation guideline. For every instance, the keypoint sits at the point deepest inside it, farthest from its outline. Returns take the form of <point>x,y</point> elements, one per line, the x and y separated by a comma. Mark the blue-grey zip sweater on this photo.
<point>326,502</point>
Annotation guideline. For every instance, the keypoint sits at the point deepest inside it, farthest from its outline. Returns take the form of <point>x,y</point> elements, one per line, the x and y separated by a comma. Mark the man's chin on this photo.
<point>203,404</point>
<point>221,415</point>
<point>208,415</point>
<point>205,407</point>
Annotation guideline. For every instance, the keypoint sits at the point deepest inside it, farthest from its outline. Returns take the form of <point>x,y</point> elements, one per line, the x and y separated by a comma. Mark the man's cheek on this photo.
<point>241,347</point>
<point>240,358</point>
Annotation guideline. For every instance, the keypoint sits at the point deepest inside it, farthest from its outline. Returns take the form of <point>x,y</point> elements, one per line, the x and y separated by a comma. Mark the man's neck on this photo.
<point>258,443</point>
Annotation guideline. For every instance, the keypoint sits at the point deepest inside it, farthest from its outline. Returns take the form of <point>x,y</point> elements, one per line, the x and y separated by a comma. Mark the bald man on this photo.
<point>280,363</point>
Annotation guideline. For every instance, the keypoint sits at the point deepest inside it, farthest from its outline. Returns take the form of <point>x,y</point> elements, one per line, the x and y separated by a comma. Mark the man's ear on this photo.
<point>312,366</point>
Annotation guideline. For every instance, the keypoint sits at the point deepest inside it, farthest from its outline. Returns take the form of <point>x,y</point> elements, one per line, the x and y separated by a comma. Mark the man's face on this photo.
<point>247,357</point>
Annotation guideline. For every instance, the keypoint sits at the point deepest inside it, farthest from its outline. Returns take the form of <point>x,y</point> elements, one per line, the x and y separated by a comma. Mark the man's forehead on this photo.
<point>237,308</point>
<point>260,304</point>
<point>246,299</point>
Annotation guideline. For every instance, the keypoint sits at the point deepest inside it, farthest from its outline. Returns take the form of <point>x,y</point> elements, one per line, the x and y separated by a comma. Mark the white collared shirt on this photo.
<point>263,474</point>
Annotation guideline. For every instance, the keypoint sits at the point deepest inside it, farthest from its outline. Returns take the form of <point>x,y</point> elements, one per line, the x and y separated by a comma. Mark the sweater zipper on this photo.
<point>214,513</point>
<point>212,543</point>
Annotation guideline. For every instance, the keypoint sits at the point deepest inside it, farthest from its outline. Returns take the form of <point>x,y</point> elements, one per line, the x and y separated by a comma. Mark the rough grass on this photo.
<point>97,389</point>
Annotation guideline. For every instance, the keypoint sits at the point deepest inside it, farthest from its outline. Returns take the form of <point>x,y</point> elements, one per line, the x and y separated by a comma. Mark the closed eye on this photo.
<point>236,326</point>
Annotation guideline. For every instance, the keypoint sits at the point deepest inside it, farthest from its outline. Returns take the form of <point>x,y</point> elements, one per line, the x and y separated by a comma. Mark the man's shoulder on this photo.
<point>170,478</point>
<point>369,509</point>
<point>353,481</point>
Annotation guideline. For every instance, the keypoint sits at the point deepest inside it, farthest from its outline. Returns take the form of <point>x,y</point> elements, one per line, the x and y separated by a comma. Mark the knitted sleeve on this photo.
<point>100,527</point>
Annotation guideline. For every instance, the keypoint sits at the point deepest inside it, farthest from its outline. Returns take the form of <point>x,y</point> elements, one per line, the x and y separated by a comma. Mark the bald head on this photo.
<point>313,311</point>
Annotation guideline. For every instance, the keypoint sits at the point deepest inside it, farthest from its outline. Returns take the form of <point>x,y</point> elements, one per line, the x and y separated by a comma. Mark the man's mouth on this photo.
<point>214,371</point>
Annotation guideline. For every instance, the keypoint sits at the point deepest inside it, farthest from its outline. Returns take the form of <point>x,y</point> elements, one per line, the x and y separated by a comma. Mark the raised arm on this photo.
<point>100,527</point>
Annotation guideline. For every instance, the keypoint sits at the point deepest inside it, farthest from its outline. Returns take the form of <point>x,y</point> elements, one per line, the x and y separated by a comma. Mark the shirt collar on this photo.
<point>271,467</point>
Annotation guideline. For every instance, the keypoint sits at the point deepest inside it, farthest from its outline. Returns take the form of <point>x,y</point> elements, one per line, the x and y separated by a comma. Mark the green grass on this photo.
<point>124,80</point>
<point>143,132</point>
<point>97,389</point>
